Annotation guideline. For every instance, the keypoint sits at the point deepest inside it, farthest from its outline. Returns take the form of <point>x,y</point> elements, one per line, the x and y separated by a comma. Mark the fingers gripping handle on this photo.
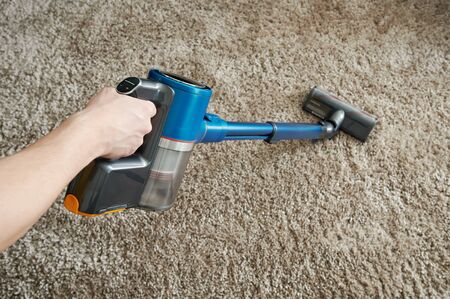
<point>106,186</point>
<point>161,95</point>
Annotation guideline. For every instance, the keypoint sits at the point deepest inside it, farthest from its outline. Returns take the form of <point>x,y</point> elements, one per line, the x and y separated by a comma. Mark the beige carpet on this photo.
<point>296,219</point>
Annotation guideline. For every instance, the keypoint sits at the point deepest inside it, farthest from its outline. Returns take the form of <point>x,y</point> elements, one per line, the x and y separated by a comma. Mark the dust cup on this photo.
<point>166,174</point>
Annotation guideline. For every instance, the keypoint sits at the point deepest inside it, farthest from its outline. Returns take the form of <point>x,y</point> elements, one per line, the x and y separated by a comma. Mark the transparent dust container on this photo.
<point>166,175</point>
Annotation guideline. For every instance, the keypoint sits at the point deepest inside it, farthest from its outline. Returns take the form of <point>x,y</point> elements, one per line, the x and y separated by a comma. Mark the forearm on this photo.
<point>111,126</point>
<point>31,180</point>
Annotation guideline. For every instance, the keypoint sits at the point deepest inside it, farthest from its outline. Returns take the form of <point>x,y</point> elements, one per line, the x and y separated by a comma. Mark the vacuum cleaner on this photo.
<point>149,179</point>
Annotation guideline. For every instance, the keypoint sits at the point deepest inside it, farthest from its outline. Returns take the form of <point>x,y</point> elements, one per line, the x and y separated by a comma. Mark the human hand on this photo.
<point>116,123</point>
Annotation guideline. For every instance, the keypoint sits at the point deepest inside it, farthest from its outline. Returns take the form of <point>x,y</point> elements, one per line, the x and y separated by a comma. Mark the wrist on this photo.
<point>86,134</point>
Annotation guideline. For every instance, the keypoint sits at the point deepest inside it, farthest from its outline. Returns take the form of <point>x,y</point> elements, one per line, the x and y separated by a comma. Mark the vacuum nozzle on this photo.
<point>325,105</point>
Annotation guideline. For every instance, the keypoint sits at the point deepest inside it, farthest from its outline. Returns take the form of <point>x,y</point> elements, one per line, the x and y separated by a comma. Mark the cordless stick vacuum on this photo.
<point>149,179</point>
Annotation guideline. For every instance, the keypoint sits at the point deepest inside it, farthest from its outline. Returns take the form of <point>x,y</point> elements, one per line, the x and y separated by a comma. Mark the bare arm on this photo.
<point>112,126</point>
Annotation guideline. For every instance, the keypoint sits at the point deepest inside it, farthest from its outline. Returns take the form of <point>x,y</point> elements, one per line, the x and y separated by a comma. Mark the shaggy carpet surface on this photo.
<point>336,218</point>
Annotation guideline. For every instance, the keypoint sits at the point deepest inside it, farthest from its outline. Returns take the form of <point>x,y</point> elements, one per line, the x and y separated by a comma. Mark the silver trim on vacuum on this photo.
<point>176,145</point>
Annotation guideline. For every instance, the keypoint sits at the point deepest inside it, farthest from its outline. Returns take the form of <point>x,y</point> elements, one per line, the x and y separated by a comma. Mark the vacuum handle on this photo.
<point>156,92</point>
<point>106,186</point>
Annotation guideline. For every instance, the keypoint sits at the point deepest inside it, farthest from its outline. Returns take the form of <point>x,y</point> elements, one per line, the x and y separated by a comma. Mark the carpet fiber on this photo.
<point>335,218</point>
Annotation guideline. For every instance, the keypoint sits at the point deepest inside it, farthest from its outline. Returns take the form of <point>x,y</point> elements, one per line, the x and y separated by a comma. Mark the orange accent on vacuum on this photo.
<point>71,203</point>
